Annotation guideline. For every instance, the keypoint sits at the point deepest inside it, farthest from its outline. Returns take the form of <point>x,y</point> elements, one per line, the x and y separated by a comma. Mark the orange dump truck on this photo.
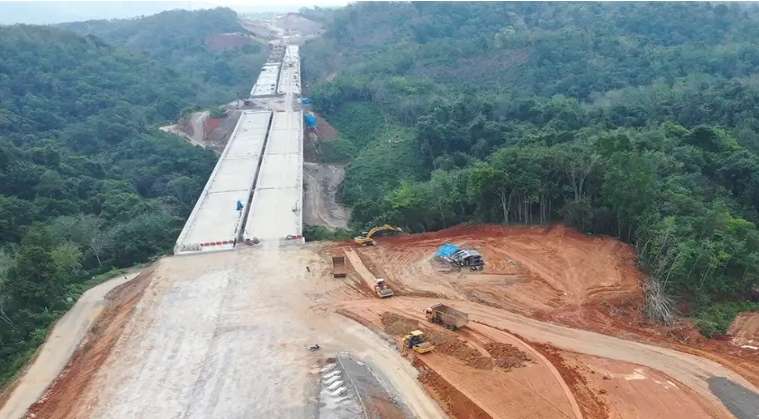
<point>446,316</point>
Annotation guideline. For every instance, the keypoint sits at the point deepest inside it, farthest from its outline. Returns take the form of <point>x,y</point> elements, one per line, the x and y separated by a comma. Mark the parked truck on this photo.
<point>338,267</point>
<point>468,258</point>
<point>460,258</point>
<point>446,316</point>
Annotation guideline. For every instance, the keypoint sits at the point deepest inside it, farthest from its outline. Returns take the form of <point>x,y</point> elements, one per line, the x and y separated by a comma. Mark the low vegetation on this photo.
<point>633,120</point>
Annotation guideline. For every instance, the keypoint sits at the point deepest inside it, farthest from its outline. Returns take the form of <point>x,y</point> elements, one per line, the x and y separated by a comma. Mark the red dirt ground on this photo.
<point>551,273</point>
<point>60,399</point>
<point>635,391</point>
<point>745,330</point>
<point>558,275</point>
<point>477,372</point>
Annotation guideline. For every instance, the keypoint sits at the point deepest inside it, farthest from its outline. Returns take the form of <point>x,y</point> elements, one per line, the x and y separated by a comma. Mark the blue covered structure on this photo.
<point>310,120</point>
<point>447,250</point>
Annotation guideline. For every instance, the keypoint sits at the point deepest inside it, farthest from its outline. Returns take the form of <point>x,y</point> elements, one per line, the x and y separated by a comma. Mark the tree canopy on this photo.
<point>635,120</point>
<point>87,181</point>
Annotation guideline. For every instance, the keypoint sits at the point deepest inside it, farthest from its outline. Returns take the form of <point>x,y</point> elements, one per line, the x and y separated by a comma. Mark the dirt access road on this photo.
<point>543,286</point>
<point>693,372</point>
<point>320,207</point>
<point>226,335</point>
<point>63,340</point>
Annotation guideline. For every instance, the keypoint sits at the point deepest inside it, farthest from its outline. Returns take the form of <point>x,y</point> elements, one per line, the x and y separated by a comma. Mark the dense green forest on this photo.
<point>634,120</point>
<point>180,40</point>
<point>87,181</point>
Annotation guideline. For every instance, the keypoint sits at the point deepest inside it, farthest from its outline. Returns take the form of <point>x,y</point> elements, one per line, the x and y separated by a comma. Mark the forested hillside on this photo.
<point>634,120</point>
<point>87,182</point>
<point>209,47</point>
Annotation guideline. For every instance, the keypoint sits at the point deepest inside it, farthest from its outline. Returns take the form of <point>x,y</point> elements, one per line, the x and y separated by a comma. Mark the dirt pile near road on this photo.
<point>60,399</point>
<point>506,356</point>
<point>445,342</point>
<point>397,325</point>
<point>449,344</point>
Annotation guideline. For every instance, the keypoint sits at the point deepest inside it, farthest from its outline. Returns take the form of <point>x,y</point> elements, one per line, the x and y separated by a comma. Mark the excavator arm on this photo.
<point>368,239</point>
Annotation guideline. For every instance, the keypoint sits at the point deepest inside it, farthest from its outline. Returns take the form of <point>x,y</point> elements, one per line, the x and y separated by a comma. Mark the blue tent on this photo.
<point>447,250</point>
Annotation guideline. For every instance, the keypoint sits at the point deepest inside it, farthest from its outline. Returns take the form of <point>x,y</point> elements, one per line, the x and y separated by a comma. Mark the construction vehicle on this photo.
<point>381,289</point>
<point>416,341</point>
<point>460,258</point>
<point>468,258</point>
<point>338,267</point>
<point>446,316</point>
<point>366,239</point>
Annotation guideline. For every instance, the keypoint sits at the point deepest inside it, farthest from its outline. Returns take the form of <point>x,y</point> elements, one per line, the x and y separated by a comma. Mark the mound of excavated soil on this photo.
<point>506,356</point>
<point>397,325</point>
<point>445,342</point>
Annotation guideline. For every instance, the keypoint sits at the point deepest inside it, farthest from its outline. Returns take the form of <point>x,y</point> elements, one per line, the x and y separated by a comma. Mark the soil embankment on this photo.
<point>745,331</point>
<point>321,185</point>
<point>62,396</point>
<point>64,339</point>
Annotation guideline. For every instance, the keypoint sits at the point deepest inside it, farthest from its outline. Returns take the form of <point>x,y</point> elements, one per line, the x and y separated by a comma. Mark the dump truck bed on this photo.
<point>449,316</point>
<point>338,266</point>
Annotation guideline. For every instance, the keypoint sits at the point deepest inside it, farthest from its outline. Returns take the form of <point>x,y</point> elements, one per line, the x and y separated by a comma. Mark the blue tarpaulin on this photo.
<point>447,250</point>
<point>311,120</point>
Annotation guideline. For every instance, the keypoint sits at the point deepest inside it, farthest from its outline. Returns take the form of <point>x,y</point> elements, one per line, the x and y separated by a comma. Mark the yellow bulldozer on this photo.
<point>366,239</point>
<point>416,341</point>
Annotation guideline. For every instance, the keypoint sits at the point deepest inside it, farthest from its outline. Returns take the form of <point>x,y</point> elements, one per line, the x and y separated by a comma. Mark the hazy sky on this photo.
<point>44,12</point>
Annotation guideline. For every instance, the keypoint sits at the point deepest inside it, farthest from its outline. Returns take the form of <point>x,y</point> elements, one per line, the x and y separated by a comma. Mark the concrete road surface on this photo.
<point>225,335</point>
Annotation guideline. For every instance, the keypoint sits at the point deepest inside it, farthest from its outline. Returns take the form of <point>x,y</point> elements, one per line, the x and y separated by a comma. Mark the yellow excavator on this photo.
<point>366,238</point>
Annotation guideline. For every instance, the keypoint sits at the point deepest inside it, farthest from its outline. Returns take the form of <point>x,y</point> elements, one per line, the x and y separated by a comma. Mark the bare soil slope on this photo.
<point>549,272</point>
<point>745,330</point>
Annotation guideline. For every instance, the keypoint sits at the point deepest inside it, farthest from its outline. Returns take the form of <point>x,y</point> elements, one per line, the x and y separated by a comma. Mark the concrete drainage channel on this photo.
<point>350,389</point>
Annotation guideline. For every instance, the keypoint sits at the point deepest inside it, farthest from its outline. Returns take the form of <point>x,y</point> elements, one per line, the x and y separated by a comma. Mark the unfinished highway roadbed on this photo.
<point>234,334</point>
<point>216,218</point>
<point>227,335</point>
<point>276,209</point>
